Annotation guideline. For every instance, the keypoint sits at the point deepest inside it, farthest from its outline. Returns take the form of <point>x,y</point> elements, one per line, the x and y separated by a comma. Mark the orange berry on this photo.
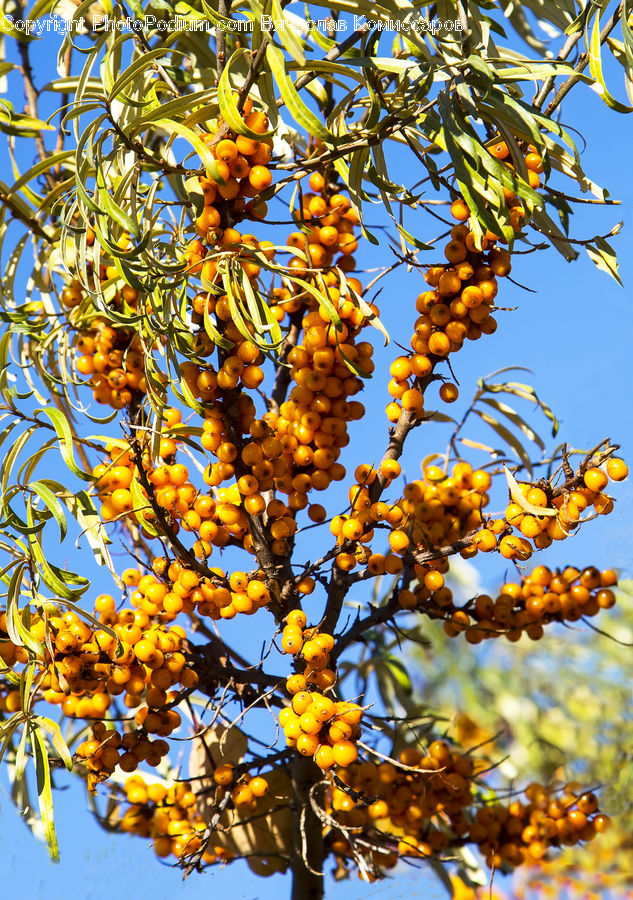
<point>324,757</point>
<point>316,182</point>
<point>223,774</point>
<point>297,618</point>
<point>260,178</point>
<point>595,479</point>
<point>393,411</point>
<point>439,344</point>
<point>307,744</point>
<point>459,210</point>
<point>291,642</point>
<point>345,753</point>
<point>449,392</point>
<point>390,468</point>
<point>499,150</point>
<point>412,400</point>
<point>617,469</point>
<point>534,162</point>
<point>259,786</point>
<point>295,683</point>
<point>399,541</point>
<point>226,151</point>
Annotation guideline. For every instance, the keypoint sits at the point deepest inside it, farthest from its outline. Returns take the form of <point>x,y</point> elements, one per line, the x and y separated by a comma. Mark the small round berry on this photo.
<point>595,479</point>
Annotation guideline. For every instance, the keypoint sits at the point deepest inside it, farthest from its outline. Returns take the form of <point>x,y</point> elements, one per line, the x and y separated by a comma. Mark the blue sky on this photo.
<point>574,333</point>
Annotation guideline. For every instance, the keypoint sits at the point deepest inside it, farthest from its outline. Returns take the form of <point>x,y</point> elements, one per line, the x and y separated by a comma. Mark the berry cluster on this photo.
<point>240,368</point>
<point>541,598</point>
<point>434,511</point>
<point>509,836</point>
<point>459,306</point>
<point>113,358</point>
<point>168,815</point>
<point>314,723</point>
<point>111,355</point>
<point>295,447</point>
<point>540,530</point>
<point>241,173</point>
<point>108,749</point>
<point>322,728</point>
<point>174,588</point>
<point>90,666</point>
<point>327,223</point>
<point>405,799</point>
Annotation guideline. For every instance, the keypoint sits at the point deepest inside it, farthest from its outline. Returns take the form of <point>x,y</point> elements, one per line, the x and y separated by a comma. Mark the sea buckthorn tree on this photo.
<point>195,284</point>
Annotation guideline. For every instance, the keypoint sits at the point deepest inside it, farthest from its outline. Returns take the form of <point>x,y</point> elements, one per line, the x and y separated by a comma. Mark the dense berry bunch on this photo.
<point>433,512</point>
<point>110,354</point>
<point>83,668</point>
<point>407,799</point>
<point>327,223</point>
<point>168,815</point>
<point>113,358</point>
<point>241,172</point>
<point>457,308</point>
<point>314,723</point>
<point>462,297</point>
<point>175,588</point>
<point>562,511</point>
<point>510,835</point>
<point>541,598</point>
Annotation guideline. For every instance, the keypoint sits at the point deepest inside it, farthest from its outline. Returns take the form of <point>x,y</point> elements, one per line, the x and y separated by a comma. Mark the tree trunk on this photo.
<point>308,856</point>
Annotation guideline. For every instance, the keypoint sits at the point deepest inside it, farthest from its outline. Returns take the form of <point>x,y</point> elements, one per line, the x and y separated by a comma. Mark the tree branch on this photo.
<point>308,857</point>
<point>582,64</point>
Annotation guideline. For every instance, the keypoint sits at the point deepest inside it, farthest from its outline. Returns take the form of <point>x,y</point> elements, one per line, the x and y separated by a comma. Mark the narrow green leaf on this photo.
<point>180,130</point>
<point>546,226</point>
<point>144,61</point>
<point>261,317</point>
<point>53,504</point>
<point>364,307</point>
<point>287,34</point>
<point>141,504</point>
<point>44,791</point>
<point>85,512</point>
<point>595,67</point>
<point>603,255</point>
<point>506,435</point>
<point>64,434</point>
<point>18,633</point>
<point>55,578</point>
<point>58,741</point>
<point>398,672</point>
<point>302,115</point>
<point>9,461</point>
<point>518,389</point>
<point>20,755</point>
<point>516,420</point>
